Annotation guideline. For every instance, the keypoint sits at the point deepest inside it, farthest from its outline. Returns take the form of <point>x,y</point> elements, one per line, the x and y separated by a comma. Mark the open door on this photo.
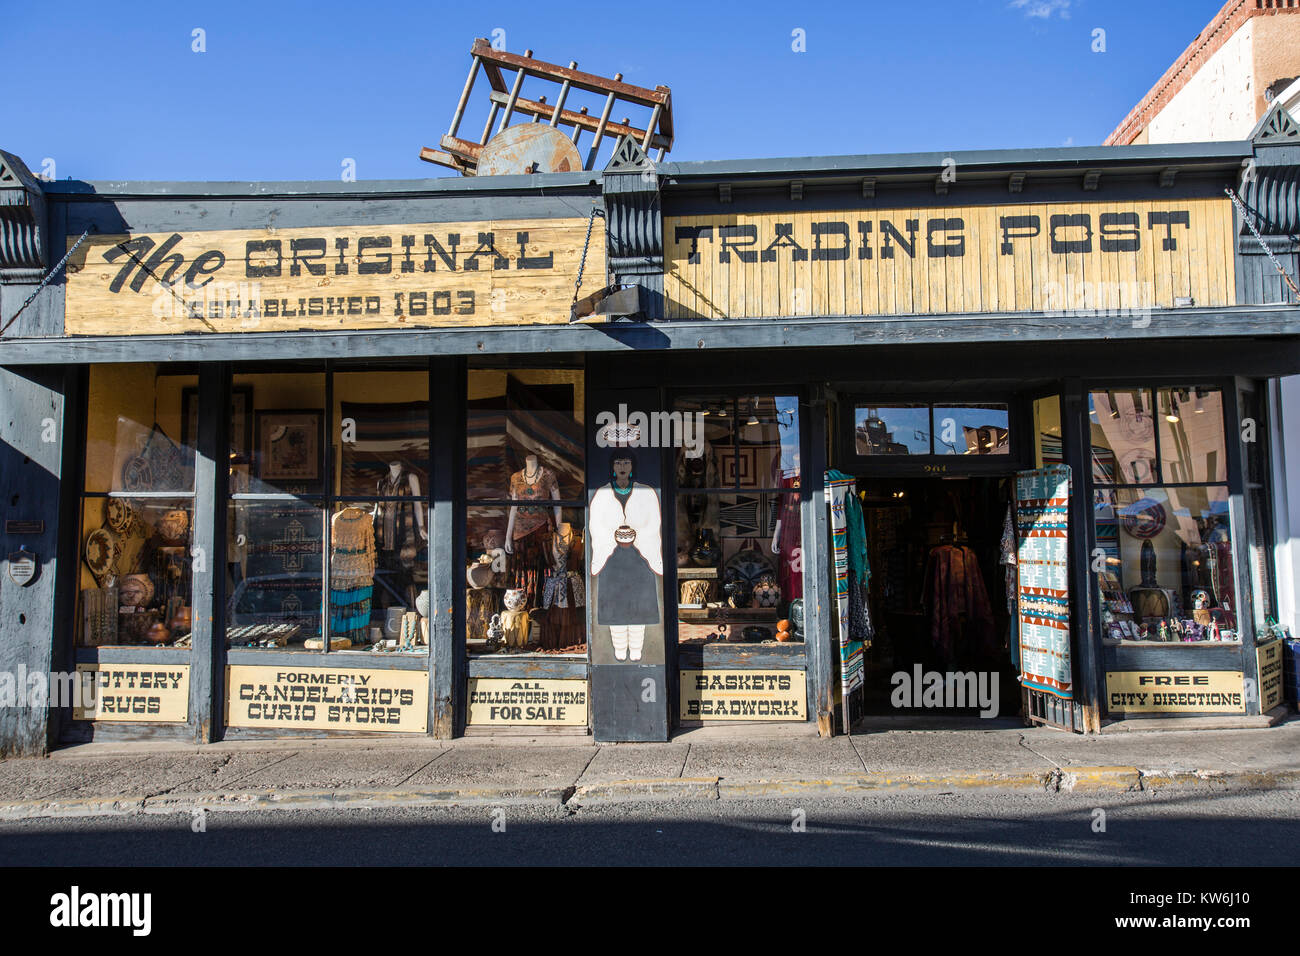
<point>1043,597</point>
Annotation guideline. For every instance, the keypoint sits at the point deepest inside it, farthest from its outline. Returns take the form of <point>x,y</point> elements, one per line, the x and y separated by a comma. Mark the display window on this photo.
<point>525,521</point>
<point>914,429</point>
<point>737,514</point>
<point>1164,561</point>
<point>137,508</point>
<point>328,516</point>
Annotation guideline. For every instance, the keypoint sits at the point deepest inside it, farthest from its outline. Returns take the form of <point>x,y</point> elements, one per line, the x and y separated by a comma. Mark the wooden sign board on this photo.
<point>504,272</point>
<point>156,693</point>
<point>319,698</point>
<point>1175,692</point>
<point>1269,658</point>
<point>1062,258</point>
<point>708,695</point>
<point>530,703</point>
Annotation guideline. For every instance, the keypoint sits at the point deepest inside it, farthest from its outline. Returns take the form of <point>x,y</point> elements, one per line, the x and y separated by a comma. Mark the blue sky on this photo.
<point>290,90</point>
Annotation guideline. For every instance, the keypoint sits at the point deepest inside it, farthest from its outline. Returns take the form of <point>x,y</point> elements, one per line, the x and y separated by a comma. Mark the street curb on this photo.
<point>649,788</point>
<point>1103,779</point>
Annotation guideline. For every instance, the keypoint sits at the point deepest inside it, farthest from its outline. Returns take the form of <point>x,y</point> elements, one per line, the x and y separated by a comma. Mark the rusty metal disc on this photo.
<point>528,148</point>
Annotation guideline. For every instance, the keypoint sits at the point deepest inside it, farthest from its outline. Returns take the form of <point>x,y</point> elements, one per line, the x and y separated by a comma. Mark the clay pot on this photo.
<point>158,634</point>
<point>180,620</point>
<point>174,525</point>
<point>624,536</point>
<point>783,635</point>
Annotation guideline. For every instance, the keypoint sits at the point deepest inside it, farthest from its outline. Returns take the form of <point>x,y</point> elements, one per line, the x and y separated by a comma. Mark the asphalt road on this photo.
<point>957,829</point>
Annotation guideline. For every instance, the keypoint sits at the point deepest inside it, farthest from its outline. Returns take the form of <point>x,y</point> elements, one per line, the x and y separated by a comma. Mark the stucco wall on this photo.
<point>1218,103</point>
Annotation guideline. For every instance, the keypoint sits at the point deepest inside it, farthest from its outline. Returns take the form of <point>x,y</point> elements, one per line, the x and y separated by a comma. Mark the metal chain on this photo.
<point>48,276</point>
<point>582,264</point>
<point>1241,208</point>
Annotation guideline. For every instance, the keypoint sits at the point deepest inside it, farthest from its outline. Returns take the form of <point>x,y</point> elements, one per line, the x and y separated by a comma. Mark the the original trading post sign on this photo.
<point>516,272</point>
<point>1121,257</point>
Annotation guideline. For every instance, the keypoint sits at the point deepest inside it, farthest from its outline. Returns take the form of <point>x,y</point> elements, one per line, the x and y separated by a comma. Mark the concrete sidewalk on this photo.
<point>705,764</point>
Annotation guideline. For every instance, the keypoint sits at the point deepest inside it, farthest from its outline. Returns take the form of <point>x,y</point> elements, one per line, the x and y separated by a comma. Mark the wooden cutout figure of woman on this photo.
<point>626,556</point>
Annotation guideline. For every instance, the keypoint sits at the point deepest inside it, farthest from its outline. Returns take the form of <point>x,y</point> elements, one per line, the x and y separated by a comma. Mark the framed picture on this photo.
<point>289,444</point>
<point>241,421</point>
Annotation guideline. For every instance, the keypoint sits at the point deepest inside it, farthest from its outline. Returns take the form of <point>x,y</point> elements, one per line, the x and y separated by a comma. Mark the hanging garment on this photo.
<point>352,573</point>
<point>1007,558</point>
<point>529,563</point>
<point>959,603</point>
<point>860,626</point>
<point>839,488</point>
<point>395,523</point>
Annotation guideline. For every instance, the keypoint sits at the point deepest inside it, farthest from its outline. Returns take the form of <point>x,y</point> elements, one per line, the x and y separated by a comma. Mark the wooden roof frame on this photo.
<point>462,154</point>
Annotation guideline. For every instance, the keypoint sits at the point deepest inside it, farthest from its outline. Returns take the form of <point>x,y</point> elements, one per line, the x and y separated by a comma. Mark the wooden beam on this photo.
<point>570,118</point>
<point>583,81</point>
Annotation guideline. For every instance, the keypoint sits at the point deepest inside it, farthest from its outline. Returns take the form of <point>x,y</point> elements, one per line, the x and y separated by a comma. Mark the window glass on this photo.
<point>739,546</point>
<point>518,414</point>
<point>700,462</point>
<point>380,429</point>
<point>526,479</point>
<point>134,430</point>
<point>378,571</point>
<point>1167,573</point>
<point>276,566</point>
<point>329,515</point>
<point>1047,432</point>
<point>892,429</point>
<point>288,454</point>
<point>1191,435</point>
<point>971,429</point>
<point>136,579</point>
<point>1123,437</point>
<point>525,594</point>
<point>137,513</point>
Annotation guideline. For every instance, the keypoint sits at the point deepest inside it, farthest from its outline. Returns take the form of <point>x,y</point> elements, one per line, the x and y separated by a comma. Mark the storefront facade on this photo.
<point>346,464</point>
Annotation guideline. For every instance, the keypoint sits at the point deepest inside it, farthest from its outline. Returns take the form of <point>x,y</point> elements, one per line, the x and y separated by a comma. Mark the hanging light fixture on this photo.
<point>1171,415</point>
<point>1198,406</point>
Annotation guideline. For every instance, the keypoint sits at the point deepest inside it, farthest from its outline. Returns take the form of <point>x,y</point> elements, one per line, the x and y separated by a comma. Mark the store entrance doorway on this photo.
<point>944,639</point>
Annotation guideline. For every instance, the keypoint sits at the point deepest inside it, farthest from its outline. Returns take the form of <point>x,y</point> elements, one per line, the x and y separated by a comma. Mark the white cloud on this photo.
<point>1042,9</point>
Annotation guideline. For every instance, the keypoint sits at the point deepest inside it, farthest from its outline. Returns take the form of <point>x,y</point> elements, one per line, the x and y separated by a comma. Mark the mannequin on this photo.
<point>400,533</point>
<point>534,481</point>
<point>785,542</point>
<point>528,528</point>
